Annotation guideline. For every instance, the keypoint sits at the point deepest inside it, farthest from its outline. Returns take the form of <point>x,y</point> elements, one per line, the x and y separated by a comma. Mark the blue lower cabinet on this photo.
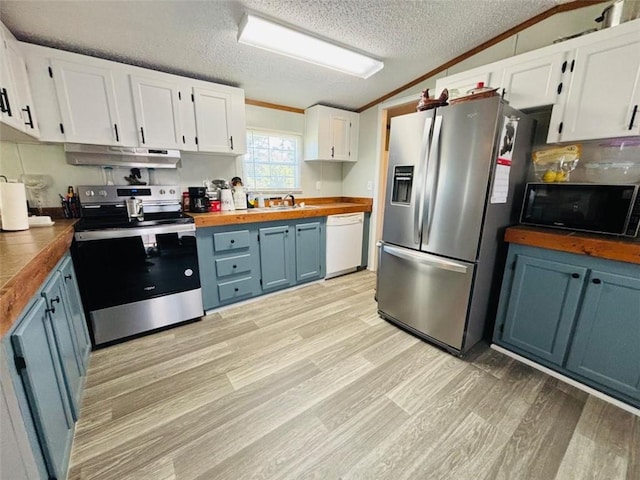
<point>227,255</point>
<point>310,251</point>
<point>543,303</point>
<point>277,257</point>
<point>606,342</point>
<point>238,262</point>
<point>38,361</point>
<point>63,333</point>
<point>81,338</point>
<point>575,314</point>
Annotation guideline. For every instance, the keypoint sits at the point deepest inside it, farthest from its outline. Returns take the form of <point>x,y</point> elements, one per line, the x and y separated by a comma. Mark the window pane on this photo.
<point>272,160</point>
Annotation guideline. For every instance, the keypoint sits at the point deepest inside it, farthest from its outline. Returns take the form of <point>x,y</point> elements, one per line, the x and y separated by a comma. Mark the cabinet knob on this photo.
<point>236,289</point>
<point>597,281</point>
<point>575,275</point>
<point>233,241</point>
<point>235,266</point>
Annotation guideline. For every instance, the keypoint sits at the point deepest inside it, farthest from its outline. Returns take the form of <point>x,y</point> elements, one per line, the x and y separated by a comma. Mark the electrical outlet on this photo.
<point>318,185</point>
<point>370,185</point>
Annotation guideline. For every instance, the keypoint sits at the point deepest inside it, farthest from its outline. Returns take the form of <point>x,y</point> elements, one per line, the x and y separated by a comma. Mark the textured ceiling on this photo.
<point>199,39</point>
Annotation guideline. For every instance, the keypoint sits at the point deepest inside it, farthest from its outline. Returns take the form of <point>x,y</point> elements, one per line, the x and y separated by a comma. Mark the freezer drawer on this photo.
<point>427,293</point>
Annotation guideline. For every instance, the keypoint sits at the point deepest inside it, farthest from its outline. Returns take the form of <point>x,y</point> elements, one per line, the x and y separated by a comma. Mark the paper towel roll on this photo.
<point>13,206</point>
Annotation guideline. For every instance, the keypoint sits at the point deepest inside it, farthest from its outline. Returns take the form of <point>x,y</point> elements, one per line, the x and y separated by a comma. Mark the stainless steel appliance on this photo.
<point>136,273</point>
<point>589,207</point>
<point>447,203</point>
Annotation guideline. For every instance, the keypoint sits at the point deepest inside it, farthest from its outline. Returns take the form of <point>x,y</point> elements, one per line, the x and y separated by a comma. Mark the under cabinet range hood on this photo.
<point>105,155</point>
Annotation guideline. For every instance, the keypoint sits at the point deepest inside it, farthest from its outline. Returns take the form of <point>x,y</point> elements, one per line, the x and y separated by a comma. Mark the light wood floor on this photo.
<point>313,384</point>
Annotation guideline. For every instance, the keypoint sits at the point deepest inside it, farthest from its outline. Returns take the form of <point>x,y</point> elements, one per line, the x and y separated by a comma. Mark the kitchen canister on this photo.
<point>226,200</point>
<point>13,207</point>
<point>239,198</point>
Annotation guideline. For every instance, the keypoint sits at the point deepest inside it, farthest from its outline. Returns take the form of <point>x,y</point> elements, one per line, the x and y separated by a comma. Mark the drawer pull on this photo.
<point>575,275</point>
<point>597,281</point>
<point>56,300</point>
<point>67,277</point>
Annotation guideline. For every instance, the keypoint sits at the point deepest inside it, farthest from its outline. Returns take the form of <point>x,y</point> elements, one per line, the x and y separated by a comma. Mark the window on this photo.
<point>272,161</point>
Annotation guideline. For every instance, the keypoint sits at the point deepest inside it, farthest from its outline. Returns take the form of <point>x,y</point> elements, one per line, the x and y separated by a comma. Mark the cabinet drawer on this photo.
<point>223,242</point>
<point>234,289</point>
<point>231,265</point>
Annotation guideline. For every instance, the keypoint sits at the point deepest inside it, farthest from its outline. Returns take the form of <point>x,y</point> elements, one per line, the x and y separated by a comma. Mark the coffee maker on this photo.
<point>198,200</point>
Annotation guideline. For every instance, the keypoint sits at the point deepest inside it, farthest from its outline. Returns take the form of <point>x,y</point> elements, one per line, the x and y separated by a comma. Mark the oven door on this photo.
<point>121,266</point>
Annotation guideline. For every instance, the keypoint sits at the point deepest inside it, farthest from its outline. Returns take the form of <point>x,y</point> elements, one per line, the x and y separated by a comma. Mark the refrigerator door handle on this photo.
<point>426,259</point>
<point>418,211</point>
<point>432,176</point>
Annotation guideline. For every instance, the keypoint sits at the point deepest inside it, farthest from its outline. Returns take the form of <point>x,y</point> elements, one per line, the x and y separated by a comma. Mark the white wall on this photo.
<point>325,175</point>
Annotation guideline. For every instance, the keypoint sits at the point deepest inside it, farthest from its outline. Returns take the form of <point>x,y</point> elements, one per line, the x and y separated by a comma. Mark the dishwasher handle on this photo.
<point>345,219</point>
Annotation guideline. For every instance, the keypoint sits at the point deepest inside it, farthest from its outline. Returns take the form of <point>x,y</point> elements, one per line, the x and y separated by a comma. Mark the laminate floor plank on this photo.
<point>128,455</point>
<point>537,446</point>
<point>405,448</point>
<point>244,430</point>
<point>599,449</point>
<point>313,383</point>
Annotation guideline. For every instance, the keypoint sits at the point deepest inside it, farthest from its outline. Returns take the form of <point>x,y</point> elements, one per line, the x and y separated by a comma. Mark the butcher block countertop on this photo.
<point>26,258</point>
<point>315,207</point>
<point>601,246</point>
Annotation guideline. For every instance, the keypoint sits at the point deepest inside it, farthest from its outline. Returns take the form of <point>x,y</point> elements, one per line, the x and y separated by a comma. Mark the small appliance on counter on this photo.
<point>198,200</point>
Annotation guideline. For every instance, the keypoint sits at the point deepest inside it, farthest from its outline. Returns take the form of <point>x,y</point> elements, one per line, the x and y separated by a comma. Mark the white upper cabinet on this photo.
<point>534,82</point>
<point>16,104</point>
<point>603,94</point>
<point>330,134</point>
<point>24,100</point>
<point>87,101</point>
<point>155,102</point>
<point>10,112</point>
<point>213,120</point>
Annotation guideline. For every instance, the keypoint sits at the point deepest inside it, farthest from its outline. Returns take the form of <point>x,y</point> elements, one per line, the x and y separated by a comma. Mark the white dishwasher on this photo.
<point>344,243</point>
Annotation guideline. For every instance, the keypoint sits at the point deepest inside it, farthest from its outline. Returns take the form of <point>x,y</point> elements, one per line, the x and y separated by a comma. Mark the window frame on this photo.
<point>298,164</point>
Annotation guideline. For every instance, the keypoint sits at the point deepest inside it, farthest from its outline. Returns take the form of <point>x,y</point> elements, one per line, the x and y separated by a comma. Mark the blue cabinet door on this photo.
<point>606,343</point>
<point>33,340</point>
<point>542,307</point>
<point>309,251</point>
<point>76,313</point>
<point>61,325</point>
<point>276,257</point>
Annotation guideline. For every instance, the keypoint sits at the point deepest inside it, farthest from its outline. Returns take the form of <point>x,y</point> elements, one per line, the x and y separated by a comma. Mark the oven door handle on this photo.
<point>132,232</point>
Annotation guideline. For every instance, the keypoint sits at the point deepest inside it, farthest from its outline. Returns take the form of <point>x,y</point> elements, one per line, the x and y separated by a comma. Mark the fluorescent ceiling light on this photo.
<point>261,33</point>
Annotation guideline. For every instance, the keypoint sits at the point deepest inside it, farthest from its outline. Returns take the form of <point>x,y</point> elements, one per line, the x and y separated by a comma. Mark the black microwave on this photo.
<point>587,207</point>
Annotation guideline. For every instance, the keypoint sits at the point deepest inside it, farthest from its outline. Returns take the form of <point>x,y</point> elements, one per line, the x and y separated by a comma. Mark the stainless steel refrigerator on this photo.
<point>455,181</point>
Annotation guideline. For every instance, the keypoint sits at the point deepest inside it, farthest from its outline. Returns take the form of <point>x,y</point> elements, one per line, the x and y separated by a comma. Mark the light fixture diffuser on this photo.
<point>261,33</point>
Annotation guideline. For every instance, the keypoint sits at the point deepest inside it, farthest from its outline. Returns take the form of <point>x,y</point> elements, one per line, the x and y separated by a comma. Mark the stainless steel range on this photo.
<point>135,255</point>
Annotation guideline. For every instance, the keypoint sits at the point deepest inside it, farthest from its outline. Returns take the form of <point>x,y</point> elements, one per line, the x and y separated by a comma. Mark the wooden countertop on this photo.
<point>601,246</point>
<point>320,207</point>
<point>26,258</point>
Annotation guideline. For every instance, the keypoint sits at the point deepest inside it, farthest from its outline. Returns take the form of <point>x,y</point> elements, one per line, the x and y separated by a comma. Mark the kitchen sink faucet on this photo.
<point>293,200</point>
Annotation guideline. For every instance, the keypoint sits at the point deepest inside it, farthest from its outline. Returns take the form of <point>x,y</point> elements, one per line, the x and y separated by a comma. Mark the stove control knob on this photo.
<point>188,272</point>
<point>102,193</point>
<point>172,191</point>
<point>162,191</point>
<point>89,193</point>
